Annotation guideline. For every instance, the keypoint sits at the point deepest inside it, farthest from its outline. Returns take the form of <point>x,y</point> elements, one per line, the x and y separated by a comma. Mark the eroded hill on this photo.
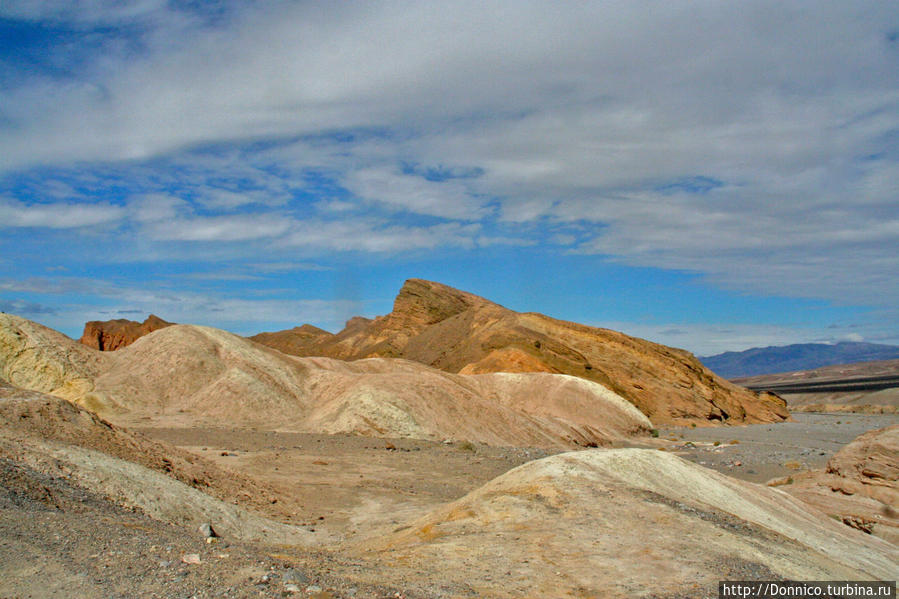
<point>183,375</point>
<point>459,332</point>
<point>625,523</point>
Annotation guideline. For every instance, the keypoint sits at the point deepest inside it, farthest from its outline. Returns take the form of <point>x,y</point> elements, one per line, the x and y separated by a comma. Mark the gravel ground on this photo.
<point>760,452</point>
<point>60,540</point>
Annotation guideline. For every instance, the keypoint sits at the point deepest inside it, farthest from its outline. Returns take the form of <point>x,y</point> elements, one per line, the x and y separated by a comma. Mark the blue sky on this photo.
<point>713,176</point>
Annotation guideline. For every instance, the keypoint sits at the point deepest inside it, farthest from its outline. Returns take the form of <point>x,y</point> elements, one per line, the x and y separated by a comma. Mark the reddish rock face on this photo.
<point>110,335</point>
<point>460,332</point>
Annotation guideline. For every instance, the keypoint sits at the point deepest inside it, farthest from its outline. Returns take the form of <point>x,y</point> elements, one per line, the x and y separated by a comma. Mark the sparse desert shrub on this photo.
<point>735,442</point>
<point>466,446</point>
<point>654,432</point>
<point>692,425</point>
<point>716,443</point>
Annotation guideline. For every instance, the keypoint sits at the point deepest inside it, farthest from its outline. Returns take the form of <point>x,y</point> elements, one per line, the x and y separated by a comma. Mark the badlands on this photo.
<point>452,448</point>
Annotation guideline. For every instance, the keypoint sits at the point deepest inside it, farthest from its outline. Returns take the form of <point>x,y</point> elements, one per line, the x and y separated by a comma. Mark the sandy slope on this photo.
<point>51,434</point>
<point>35,357</point>
<point>183,374</point>
<point>624,523</point>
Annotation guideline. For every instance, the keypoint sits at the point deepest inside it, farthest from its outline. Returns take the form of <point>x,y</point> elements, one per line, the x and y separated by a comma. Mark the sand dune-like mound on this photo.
<point>209,372</point>
<point>49,434</point>
<point>183,375</point>
<point>35,357</point>
<point>860,484</point>
<point>110,335</point>
<point>459,332</point>
<point>624,523</point>
<point>186,374</point>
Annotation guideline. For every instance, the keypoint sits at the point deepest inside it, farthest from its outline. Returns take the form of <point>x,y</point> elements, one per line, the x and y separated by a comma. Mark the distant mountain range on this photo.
<point>800,356</point>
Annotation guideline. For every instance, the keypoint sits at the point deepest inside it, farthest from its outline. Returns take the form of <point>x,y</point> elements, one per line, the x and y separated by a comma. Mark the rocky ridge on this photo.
<point>459,332</point>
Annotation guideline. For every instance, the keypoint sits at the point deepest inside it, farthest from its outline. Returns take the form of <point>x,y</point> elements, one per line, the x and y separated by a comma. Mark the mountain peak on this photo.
<point>421,302</point>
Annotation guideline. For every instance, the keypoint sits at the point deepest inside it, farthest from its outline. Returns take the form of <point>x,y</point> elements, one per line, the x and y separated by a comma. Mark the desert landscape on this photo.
<point>452,448</point>
<point>448,300</point>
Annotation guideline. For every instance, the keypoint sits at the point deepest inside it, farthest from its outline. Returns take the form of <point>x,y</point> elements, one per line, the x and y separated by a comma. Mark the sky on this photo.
<point>708,175</point>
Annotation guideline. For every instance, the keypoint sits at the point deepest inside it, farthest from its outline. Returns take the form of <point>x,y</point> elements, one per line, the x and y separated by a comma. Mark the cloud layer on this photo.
<point>754,143</point>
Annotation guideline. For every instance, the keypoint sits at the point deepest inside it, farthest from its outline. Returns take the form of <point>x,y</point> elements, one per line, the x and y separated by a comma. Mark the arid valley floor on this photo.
<point>450,449</point>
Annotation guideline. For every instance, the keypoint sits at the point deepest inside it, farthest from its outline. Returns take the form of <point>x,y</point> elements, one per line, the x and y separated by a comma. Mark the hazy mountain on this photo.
<point>800,356</point>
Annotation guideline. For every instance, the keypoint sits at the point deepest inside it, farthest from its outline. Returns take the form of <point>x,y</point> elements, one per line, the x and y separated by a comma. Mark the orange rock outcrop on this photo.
<point>110,335</point>
<point>459,332</point>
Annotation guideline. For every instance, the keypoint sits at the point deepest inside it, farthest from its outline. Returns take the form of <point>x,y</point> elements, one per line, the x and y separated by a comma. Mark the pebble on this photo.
<point>292,588</point>
<point>207,531</point>
<point>313,588</point>
<point>295,576</point>
<point>191,558</point>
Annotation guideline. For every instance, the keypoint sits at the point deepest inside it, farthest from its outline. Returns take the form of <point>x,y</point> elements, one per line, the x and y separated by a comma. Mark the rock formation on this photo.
<point>186,375</point>
<point>460,332</point>
<point>860,484</point>
<point>298,341</point>
<point>625,523</point>
<point>41,359</point>
<point>110,335</point>
<point>47,434</point>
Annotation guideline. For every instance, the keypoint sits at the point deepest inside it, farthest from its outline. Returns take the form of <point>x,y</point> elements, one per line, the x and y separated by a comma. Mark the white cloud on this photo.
<point>577,114</point>
<point>366,235</point>
<point>83,11</point>
<point>447,199</point>
<point>219,228</point>
<point>61,215</point>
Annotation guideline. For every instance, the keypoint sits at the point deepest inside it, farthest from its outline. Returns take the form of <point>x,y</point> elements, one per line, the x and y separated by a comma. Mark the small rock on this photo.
<point>313,588</point>
<point>207,531</point>
<point>292,588</point>
<point>191,558</point>
<point>295,576</point>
